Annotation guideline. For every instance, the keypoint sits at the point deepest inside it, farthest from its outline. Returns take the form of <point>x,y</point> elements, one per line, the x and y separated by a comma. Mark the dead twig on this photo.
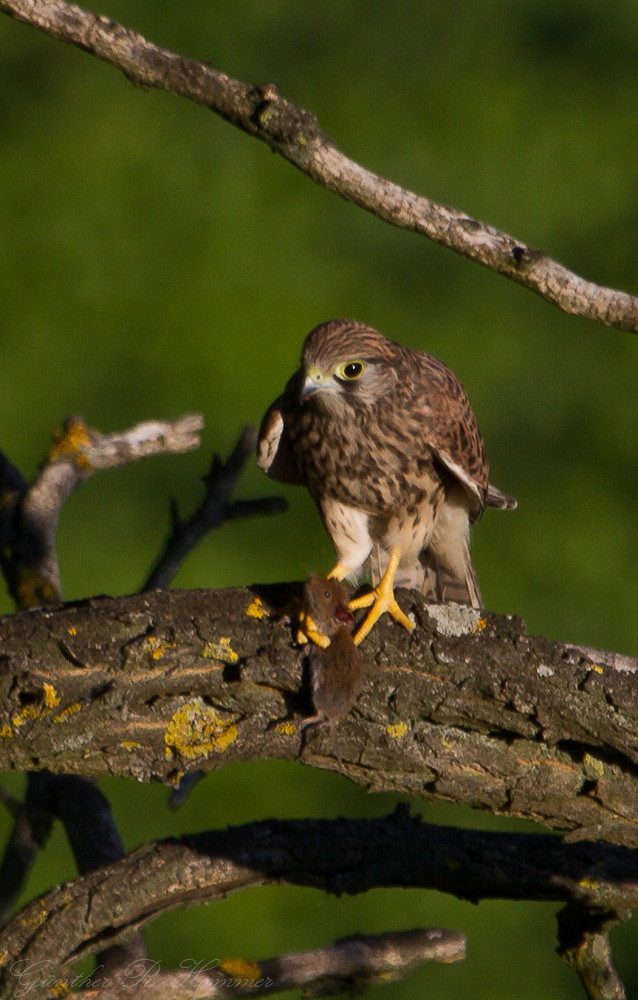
<point>30,514</point>
<point>296,135</point>
<point>215,509</point>
<point>349,965</point>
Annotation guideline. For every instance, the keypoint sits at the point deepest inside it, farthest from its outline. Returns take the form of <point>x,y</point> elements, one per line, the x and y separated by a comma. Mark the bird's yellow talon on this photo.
<point>309,630</point>
<point>379,606</point>
<point>380,600</point>
<point>339,573</point>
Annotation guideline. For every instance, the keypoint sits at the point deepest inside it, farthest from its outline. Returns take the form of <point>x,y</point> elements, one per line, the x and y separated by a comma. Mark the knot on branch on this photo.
<point>281,123</point>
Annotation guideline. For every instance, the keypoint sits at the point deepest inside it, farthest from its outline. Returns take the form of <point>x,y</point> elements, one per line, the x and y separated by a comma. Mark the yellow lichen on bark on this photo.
<point>220,650</point>
<point>196,730</point>
<point>257,610</point>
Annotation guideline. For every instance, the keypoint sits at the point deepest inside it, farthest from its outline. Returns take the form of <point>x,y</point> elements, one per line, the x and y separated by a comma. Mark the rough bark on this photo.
<point>466,708</point>
<point>296,135</point>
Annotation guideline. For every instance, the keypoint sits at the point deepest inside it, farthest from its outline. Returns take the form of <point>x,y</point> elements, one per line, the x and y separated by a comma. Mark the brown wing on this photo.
<point>450,428</point>
<point>274,453</point>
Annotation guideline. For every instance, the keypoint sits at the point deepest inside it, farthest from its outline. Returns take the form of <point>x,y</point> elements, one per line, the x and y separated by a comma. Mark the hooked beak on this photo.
<point>314,382</point>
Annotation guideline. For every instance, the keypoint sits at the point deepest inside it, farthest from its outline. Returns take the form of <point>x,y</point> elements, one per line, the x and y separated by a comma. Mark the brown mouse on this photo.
<point>323,608</point>
<point>336,669</point>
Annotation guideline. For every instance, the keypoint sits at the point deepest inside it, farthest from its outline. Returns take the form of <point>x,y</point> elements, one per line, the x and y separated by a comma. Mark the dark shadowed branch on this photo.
<point>215,509</point>
<point>19,855</point>
<point>296,135</point>
<point>335,856</point>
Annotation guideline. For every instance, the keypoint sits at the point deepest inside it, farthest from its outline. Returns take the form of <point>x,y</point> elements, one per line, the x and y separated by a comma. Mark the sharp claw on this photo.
<point>380,604</point>
<point>380,600</point>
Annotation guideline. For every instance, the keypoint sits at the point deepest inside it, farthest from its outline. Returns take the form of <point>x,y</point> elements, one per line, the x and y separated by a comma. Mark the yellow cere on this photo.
<point>398,731</point>
<point>220,650</point>
<point>196,730</point>
<point>257,610</point>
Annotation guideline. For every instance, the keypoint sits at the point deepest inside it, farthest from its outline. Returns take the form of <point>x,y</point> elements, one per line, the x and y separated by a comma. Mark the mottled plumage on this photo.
<point>336,671</point>
<point>386,442</point>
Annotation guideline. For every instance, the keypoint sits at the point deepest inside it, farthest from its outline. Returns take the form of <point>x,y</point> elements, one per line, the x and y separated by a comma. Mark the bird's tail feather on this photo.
<point>496,498</point>
<point>442,586</point>
<point>440,582</point>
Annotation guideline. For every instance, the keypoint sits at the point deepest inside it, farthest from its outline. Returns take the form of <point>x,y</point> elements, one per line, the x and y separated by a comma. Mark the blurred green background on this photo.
<point>155,261</point>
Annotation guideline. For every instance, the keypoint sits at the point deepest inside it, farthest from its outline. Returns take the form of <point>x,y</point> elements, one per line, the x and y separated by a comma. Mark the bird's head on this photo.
<point>345,361</point>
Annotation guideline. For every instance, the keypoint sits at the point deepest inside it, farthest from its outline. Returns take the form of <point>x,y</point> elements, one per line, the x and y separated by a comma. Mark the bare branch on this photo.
<point>338,856</point>
<point>214,509</point>
<point>351,963</point>
<point>295,134</point>
<point>584,944</point>
<point>29,519</point>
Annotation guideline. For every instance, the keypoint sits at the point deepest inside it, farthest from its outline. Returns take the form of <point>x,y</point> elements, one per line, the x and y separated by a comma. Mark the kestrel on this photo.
<point>386,442</point>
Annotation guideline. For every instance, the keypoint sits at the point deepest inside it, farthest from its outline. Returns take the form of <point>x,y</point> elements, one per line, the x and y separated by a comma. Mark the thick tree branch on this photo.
<point>337,856</point>
<point>295,134</point>
<point>465,708</point>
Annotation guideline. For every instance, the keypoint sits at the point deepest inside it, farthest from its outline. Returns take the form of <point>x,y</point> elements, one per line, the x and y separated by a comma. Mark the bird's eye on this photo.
<point>351,370</point>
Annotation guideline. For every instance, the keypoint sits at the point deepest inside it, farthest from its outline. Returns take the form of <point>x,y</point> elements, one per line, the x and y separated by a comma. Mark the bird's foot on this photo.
<point>380,599</point>
<point>308,630</point>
